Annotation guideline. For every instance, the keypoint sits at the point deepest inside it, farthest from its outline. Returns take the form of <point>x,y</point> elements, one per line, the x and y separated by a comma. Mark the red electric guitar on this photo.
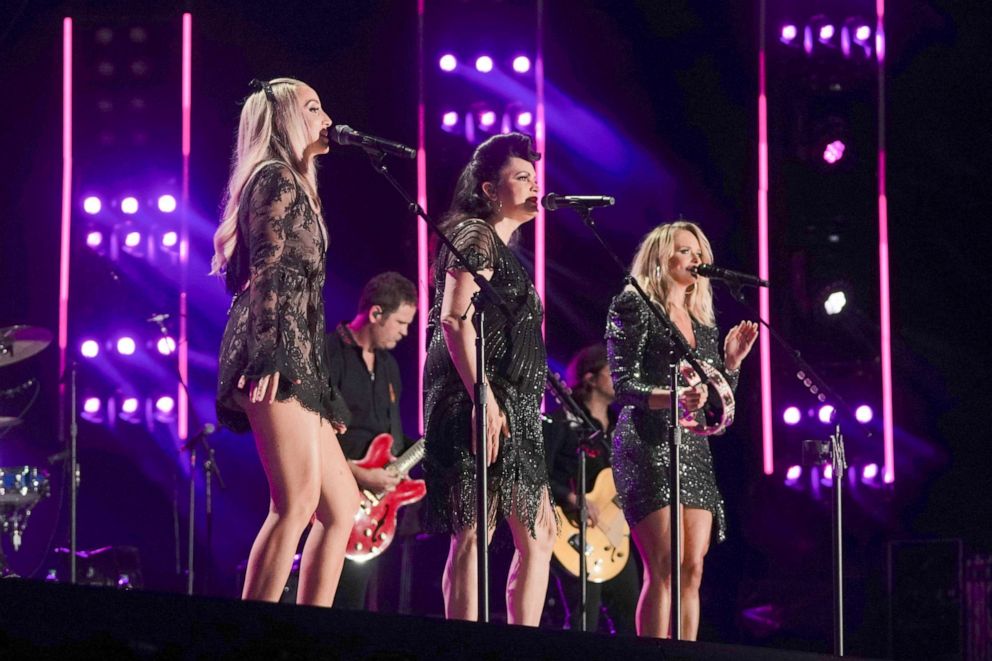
<point>375,523</point>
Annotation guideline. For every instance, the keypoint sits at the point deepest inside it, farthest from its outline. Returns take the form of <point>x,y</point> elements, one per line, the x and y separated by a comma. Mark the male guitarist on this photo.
<point>368,378</point>
<point>588,376</point>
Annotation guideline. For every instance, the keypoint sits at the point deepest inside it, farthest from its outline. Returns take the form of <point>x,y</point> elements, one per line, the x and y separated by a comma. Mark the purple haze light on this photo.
<point>165,404</point>
<point>166,203</point>
<point>794,473</point>
<point>166,345</point>
<point>447,62</point>
<point>132,239</point>
<point>526,118</point>
<point>792,415</point>
<point>449,119</point>
<point>826,32</point>
<point>126,346</point>
<point>484,64</point>
<point>870,472</point>
<point>487,118</point>
<point>94,239</point>
<point>789,33</point>
<point>862,34</point>
<point>129,405</point>
<point>521,64</point>
<point>92,204</point>
<point>91,405</point>
<point>834,151</point>
<point>828,472</point>
<point>826,414</point>
<point>170,239</point>
<point>129,205</point>
<point>89,348</point>
<point>864,414</point>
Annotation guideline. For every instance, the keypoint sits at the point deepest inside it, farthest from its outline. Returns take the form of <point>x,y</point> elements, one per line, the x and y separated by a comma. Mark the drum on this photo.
<point>21,487</point>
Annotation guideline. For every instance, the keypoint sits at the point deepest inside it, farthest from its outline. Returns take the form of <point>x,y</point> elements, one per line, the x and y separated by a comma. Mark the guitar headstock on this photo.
<point>558,387</point>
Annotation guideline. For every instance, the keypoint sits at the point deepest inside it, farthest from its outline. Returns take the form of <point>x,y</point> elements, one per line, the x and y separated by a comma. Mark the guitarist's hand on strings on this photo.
<point>376,479</point>
<point>497,428</point>
<point>592,510</point>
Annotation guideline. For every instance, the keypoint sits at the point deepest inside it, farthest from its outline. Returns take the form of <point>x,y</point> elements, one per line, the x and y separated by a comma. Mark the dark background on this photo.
<point>668,91</point>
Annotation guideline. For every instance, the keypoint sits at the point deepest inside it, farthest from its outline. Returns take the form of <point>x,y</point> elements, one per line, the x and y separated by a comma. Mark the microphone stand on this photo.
<point>73,474</point>
<point>680,350</point>
<point>822,391</point>
<point>481,300</point>
<point>588,440</point>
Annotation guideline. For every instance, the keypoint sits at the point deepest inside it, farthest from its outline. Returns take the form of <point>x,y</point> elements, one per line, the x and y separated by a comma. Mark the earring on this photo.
<point>497,206</point>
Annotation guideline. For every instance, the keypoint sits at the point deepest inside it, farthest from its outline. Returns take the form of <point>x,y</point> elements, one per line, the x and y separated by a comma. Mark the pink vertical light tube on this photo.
<point>889,473</point>
<point>423,278</point>
<point>764,301</point>
<point>182,416</point>
<point>66,235</point>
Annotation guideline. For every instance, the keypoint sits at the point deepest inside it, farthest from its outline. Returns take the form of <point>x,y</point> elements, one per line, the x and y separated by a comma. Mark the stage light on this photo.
<point>91,405</point>
<point>166,203</point>
<point>94,239</point>
<point>129,205</point>
<point>862,34</point>
<point>864,414</point>
<point>828,472</point>
<point>89,349</point>
<point>792,415</point>
<point>126,346</point>
<point>170,239</point>
<point>834,151</point>
<point>794,473</point>
<point>448,62</point>
<point>826,414</point>
<point>92,204</point>
<point>484,64</point>
<point>449,119</point>
<point>487,118</point>
<point>826,32</point>
<point>525,118</point>
<point>788,33</point>
<point>132,239</point>
<point>129,405</point>
<point>835,302</point>
<point>165,404</point>
<point>870,472</point>
<point>166,346</point>
<point>521,64</point>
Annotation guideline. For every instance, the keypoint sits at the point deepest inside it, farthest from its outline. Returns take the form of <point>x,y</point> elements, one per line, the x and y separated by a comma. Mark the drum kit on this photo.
<point>21,487</point>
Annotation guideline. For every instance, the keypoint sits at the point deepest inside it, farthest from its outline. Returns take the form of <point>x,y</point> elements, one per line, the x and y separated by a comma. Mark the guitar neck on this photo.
<point>410,458</point>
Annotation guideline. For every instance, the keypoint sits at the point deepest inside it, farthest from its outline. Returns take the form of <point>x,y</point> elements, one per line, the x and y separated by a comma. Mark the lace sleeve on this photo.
<point>476,241</point>
<point>626,335</point>
<point>269,223</point>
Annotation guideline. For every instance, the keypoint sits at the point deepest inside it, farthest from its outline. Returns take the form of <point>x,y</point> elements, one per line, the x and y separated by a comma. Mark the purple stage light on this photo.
<point>828,472</point>
<point>129,205</point>
<point>449,119</point>
<point>526,118</point>
<point>89,349</point>
<point>521,64</point>
<point>487,118</point>
<point>862,34</point>
<point>794,473</point>
<point>91,405</point>
<point>166,346</point>
<point>826,32</point>
<point>129,405</point>
<point>834,151</point>
<point>165,404</point>
<point>484,64</point>
<point>126,346</point>
<point>789,33</point>
<point>864,414</point>
<point>448,62</point>
<point>94,239</point>
<point>170,239</point>
<point>92,204</point>
<point>825,414</point>
<point>835,302</point>
<point>870,472</point>
<point>132,239</point>
<point>792,415</point>
<point>166,203</point>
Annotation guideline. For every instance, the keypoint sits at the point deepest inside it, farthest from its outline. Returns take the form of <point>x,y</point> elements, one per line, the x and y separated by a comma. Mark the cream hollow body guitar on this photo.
<point>607,543</point>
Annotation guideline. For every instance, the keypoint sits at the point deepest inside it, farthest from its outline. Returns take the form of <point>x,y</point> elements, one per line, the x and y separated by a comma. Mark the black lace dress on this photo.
<point>638,351</point>
<point>276,320</point>
<point>516,366</point>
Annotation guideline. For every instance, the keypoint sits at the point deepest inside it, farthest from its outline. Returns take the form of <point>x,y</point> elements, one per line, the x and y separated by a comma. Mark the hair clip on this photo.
<point>261,85</point>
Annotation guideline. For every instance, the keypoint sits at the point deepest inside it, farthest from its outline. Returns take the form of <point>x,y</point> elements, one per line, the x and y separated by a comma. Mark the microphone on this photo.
<point>158,318</point>
<point>735,277</point>
<point>553,202</point>
<point>348,137</point>
<point>199,437</point>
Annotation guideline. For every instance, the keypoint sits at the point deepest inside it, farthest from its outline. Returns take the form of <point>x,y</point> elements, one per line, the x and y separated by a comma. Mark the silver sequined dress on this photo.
<point>639,361</point>
<point>515,366</point>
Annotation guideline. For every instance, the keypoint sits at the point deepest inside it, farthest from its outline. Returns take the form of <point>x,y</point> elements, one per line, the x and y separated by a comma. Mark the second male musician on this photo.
<point>366,374</point>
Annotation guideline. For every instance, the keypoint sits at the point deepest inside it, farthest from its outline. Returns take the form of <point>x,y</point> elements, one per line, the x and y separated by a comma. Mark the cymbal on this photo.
<point>8,422</point>
<point>20,342</point>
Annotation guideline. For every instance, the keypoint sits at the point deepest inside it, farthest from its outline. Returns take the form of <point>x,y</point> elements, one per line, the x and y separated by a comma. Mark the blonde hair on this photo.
<point>650,268</point>
<point>272,130</point>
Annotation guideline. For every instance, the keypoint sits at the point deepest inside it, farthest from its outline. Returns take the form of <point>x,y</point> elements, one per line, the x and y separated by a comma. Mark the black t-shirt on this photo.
<point>372,397</point>
<point>561,443</point>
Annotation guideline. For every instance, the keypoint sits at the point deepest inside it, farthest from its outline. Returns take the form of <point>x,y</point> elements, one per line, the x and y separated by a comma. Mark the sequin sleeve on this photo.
<point>475,239</point>
<point>270,220</point>
<point>626,335</point>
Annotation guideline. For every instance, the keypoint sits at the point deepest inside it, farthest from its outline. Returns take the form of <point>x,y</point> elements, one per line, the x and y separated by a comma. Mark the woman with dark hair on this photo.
<point>496,194</point>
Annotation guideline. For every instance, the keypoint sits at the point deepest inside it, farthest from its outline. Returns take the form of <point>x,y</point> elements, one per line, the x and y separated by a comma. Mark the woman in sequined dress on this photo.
<point>638,351</point>
<point>270,247</point>
<point>496,194</point>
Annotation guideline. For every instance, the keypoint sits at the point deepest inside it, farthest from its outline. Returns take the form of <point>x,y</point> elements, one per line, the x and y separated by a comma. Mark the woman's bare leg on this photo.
<point>459,583</point>
<point>323,553</point>
<point>527,581</point>
<point>651,535</point>
<point>697,525</point>
<point>287,437</point>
